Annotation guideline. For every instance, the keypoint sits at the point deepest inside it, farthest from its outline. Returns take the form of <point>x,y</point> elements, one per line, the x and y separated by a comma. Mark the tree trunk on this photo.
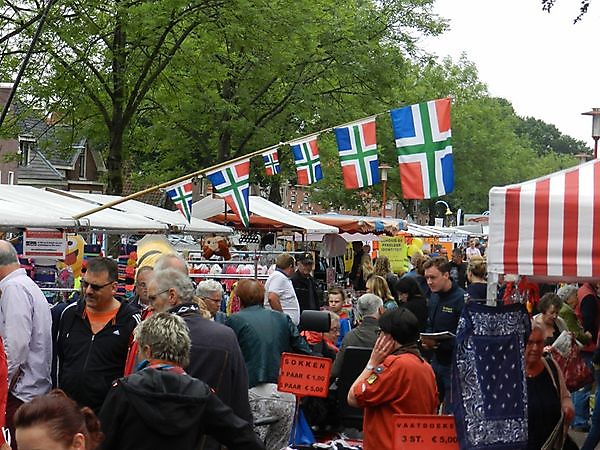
<point>117,129</point>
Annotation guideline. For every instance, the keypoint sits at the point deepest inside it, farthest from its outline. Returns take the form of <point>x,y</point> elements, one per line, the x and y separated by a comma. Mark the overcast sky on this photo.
<point>545,65</point>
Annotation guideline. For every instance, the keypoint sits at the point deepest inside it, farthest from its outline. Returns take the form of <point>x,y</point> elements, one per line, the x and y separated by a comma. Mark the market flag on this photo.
<point>231,183</point>
<point>424,148</point>
<point>271,160</point>
<point>357,147</point>
<point>306,157</point>
<point>181,194</point>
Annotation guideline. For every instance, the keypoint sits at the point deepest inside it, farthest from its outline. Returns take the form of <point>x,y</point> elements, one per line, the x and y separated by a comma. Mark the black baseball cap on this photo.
<point>306,258</point>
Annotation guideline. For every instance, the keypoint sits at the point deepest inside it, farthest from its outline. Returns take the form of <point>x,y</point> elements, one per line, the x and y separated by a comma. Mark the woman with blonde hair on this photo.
<point>383,269</point>
<point>366,270</point>
<point>476,274</point>
<point>378,286</point>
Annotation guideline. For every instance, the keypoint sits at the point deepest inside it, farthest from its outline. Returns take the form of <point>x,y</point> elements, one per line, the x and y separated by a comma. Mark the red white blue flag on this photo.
<point>357,147</point>
<point>271,160</point>
<point>181,194</point>
<point>306,158</point>
<point>231,183</point>
<point>424,148</point>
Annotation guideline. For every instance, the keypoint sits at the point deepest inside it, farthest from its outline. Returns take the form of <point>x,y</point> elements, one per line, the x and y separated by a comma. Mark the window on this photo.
<point>26,146</point>
<point>11,178</point>
<point>82,164</point>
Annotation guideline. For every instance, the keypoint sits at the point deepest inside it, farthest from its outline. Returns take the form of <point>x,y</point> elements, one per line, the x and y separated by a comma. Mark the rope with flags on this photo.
<point>424,150</point>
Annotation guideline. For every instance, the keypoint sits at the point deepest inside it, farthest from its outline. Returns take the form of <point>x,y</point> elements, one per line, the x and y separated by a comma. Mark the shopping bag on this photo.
<point>576,371</point>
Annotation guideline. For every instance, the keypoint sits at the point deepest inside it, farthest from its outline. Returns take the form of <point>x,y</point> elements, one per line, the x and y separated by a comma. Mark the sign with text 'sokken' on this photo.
<point>304,376</point>
<point>424,432</point>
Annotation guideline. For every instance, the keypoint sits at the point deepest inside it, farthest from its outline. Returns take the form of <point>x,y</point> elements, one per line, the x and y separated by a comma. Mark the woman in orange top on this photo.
<point>396,380</point>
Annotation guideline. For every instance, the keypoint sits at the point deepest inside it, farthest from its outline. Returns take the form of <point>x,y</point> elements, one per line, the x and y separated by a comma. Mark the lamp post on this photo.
<point>383,172</point>
<point>448,210</point>
<point>595,113</point>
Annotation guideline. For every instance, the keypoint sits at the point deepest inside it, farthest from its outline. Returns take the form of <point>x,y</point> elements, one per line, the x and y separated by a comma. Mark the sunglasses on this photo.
<point>95,287</point>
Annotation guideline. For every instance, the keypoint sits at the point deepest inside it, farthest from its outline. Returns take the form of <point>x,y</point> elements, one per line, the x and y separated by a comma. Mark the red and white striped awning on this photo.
<point>548,227</point>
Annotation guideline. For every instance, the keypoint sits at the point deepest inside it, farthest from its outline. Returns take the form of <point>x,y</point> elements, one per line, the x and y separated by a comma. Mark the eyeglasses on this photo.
<point>95,287</point>
<point>217,300</point>
<point>151,298</point>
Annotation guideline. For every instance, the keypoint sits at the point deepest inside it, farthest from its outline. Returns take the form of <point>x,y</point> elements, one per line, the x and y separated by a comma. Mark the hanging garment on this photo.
<point>488,377</point>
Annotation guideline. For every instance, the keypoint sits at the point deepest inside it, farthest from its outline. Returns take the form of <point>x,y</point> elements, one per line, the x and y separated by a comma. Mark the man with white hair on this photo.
<point>215,357</point>
<point>25,327</point>
<point>211,292</point>
<point>370,307</point>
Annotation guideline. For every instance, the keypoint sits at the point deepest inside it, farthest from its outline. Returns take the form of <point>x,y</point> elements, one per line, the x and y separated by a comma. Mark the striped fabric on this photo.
<point>548,227</point>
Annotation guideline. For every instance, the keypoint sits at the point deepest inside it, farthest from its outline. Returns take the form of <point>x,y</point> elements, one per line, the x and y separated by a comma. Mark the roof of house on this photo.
<point>39,168</point>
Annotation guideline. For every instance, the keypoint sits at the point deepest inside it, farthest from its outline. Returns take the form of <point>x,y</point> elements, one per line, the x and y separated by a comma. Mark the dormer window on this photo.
<point>26,147</point>
<point>82,162</point>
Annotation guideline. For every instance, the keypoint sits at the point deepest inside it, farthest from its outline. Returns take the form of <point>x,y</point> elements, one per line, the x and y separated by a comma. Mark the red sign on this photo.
<point>424,431</point>
<point>44,243</point>
<point>304,376</point>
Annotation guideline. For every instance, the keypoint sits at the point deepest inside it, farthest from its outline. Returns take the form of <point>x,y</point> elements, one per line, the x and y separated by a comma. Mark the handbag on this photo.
<point>576,372</point>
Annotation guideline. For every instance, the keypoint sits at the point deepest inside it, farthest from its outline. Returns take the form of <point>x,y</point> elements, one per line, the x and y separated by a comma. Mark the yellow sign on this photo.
<point>396,250</point>
<point>348,257</point>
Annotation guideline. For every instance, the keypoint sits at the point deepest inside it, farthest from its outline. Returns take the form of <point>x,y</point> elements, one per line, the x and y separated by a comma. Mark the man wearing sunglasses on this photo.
<point>93,336</point>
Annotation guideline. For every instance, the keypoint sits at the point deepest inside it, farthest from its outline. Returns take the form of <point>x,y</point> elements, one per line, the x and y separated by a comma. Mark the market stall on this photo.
<point>548,227</point>
<point>361,224</point>
<point>263,215</point>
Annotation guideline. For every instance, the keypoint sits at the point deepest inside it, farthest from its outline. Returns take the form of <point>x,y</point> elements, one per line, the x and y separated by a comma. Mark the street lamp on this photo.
<point>595,113</point>
<point>448,210</point>
<point>383,172</point>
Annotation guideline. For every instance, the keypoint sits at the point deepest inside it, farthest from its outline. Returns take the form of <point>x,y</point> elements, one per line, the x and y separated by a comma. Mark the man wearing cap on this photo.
<point>304,283</point>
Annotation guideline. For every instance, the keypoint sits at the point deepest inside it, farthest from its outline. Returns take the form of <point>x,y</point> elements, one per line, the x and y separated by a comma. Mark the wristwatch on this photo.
<point>369,367</point>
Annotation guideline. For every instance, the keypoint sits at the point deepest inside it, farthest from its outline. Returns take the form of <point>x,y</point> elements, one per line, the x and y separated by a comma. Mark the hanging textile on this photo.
<point>488,377</point>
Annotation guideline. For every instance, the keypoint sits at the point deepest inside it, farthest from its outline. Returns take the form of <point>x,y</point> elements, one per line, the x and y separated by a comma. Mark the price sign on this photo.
<point>304,376</point>
<point>44,243</point>
<point>424,431</point>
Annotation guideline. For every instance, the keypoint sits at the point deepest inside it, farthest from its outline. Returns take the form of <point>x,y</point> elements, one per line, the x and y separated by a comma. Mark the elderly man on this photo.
<point>161,406</point>
<point>304,283</point>
<point>370,307</point>
<point>279,290</point>
<point>263,336</point>
<point>140,300</point>
<point>94,335</point>
<point>215,356</point>
<point>211,292</point>
<point>26,328</point>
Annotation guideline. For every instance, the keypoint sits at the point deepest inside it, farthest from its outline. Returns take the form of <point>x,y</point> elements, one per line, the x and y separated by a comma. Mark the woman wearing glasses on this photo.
<point>396,380</point>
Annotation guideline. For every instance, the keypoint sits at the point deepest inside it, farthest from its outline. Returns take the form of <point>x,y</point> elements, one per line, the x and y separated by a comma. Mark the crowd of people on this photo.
<point>170,367</point>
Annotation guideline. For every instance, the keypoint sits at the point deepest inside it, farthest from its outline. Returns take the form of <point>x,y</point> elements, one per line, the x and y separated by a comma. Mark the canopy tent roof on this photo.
<point>548,227</point>
<point>263,214</point>
<point>26,206</point>
<point>173,219</point>
<point>360,224</point>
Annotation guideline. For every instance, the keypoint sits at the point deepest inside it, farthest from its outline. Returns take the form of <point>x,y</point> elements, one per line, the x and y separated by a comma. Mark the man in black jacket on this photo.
<point>304,284</point>
<point>93,336</point>
<point>215,356</point>
<point>161,406</point>
<point>445,307</point>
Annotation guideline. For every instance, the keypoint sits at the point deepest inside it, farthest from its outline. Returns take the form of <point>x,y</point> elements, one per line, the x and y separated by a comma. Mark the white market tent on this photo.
<point>263,214</point>
<point>548,228</point>
<point>174,219</point>
<point>26,206</point>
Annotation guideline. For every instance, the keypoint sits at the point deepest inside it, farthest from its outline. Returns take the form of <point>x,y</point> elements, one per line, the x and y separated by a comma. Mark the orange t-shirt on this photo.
<point>99,319</point>
<point>402,384</point>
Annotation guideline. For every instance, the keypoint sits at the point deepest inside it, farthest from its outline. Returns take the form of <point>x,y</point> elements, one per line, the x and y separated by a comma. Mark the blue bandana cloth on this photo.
<point>488,377</point>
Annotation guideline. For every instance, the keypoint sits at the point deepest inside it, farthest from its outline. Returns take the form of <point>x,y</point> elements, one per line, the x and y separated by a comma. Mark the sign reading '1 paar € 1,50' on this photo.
<point>424,432</point>
<point>304,376</point>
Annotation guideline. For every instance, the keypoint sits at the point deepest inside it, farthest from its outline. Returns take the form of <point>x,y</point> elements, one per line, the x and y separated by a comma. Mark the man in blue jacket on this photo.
<point>445,307</point>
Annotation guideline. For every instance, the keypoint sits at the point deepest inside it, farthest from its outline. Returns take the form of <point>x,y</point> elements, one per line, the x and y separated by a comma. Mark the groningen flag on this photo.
<point>424,148</point>
<point>271,160</point>
<point>357,147</point>
<point>306,158</point>
<point>231,183</point>
<point>181,194</point>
